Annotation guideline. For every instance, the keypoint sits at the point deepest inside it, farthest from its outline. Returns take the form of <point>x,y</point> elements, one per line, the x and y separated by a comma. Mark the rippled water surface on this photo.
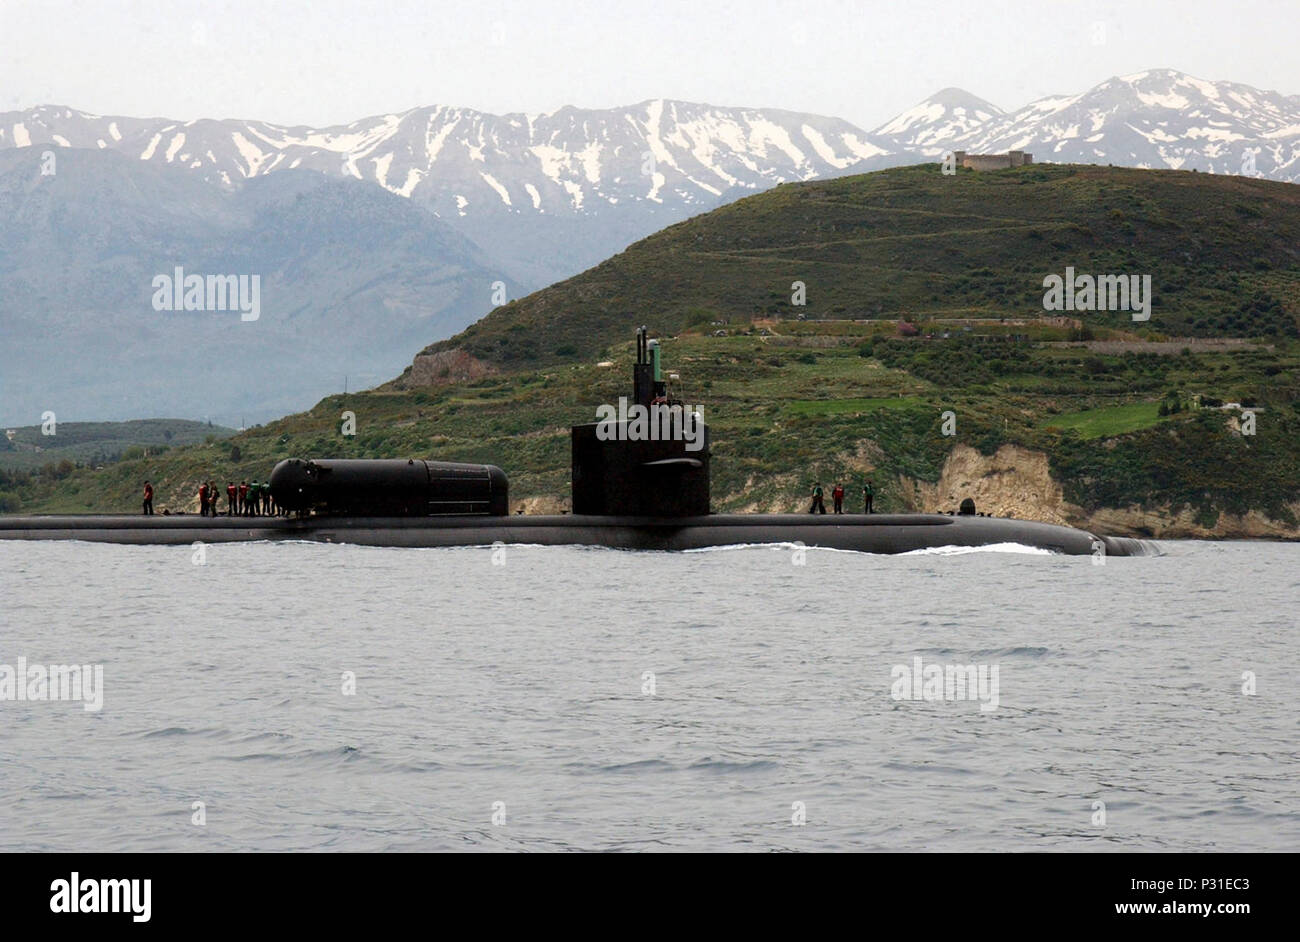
<point>525,680</point>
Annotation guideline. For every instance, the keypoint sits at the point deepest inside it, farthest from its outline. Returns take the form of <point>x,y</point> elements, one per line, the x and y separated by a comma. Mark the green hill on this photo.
<point>1093,421</point>
<point>28,447</point>
<point>1223,253</point>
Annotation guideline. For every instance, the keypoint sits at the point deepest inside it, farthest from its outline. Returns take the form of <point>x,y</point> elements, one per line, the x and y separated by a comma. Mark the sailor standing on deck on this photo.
<point>148,498</point>
<point>868,493</point>
<point>818,504</point>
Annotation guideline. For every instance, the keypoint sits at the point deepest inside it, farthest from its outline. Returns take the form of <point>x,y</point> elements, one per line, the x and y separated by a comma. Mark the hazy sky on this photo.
<point>332,61</point>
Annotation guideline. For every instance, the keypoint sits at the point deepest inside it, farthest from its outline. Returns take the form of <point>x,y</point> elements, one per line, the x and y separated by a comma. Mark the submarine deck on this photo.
<point>872,533</point>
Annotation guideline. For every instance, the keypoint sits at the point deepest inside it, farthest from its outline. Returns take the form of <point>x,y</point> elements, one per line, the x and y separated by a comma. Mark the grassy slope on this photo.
<point>1223,253</point>
<point>835,399</point>
<point>1108,421</point>
<point>99,442</point>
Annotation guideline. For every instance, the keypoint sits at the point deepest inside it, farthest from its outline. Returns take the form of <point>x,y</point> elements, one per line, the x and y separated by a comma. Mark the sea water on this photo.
<point>298,696</point>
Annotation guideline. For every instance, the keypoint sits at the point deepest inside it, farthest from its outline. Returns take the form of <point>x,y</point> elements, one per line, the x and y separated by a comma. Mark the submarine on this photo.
<point>640,481</point>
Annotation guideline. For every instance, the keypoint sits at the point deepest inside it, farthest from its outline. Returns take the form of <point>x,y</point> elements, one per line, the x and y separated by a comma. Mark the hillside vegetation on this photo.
<point>1223,254</point>
<point>29,447</point>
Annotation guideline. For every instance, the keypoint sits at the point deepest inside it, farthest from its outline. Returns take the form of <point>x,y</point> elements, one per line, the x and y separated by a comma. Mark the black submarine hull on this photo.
<point>868,533</point>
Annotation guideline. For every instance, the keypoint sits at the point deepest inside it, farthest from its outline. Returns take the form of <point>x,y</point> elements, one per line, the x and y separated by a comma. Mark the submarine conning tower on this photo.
<point>646,458</point>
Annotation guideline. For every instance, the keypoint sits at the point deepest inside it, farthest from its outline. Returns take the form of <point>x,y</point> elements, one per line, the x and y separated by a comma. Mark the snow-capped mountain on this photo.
<point>463,161</point>
<point>679,156</point>
<point>944,115</point>
<point>548,195</point>
<point>532,199</point>
<point>1162,119</point>
<point>510,182</point>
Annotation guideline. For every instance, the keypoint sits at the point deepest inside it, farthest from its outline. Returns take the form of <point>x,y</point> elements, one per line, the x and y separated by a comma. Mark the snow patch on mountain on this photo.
<point>500,190</point>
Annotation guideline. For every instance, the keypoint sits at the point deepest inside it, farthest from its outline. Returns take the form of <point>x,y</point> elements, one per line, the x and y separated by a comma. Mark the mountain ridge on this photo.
<point>380,147</point>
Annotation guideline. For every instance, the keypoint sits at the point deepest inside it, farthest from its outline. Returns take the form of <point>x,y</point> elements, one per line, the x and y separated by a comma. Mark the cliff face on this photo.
<point>1162,523</point>
<point>447,366</point>
<point>541,505</point>
<point>1017,482</point>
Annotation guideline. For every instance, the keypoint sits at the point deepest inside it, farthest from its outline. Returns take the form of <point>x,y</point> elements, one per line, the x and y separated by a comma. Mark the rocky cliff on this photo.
<point>1017,482</point>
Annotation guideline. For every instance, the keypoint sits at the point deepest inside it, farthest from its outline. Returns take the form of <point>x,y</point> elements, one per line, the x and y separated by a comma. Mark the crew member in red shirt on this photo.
<point>148,498</point>
<point>838,495</point>
<point>230,498</point>
<point>203,500</point>
<point>243,496</point>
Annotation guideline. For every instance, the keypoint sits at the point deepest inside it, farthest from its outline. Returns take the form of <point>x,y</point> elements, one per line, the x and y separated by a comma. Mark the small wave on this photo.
<point>1011,652</point>
<point>1018,548</point>
<point>641,765</point>
<point>949,550</point>
<point>909,767</point>
<point>779,547</point>
<point>727,766</point>
<point>170,731</point>
<point>987,652</point>
<point>332,756</point>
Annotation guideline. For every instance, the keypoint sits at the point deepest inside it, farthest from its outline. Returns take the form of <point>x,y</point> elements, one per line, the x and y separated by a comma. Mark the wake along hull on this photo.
<point>873,533</point>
